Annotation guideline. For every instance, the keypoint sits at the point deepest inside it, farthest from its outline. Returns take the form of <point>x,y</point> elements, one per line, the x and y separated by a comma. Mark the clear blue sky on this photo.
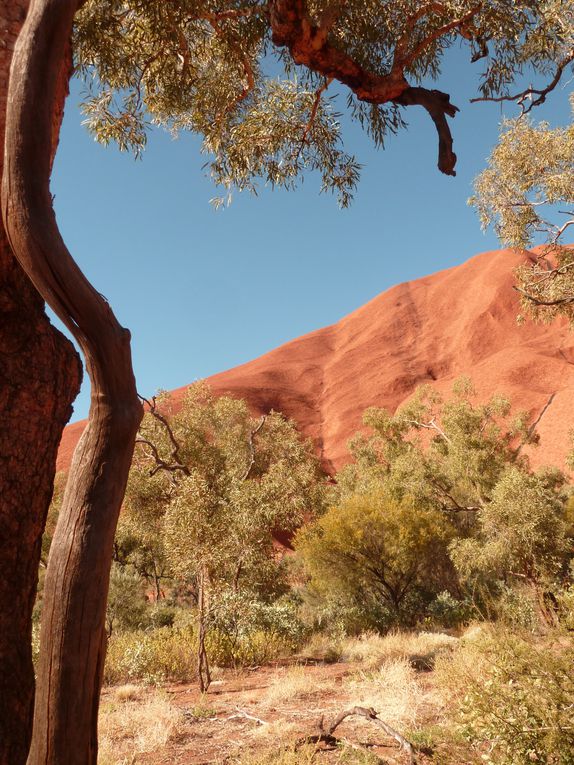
<point>204,290</point>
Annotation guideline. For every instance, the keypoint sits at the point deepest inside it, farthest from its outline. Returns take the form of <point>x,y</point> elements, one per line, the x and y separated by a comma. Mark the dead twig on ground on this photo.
<point>243,714</point>
<point>326,735</point>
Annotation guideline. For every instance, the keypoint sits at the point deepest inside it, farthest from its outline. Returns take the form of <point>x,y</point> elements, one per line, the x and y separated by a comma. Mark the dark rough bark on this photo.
<point>75,591</point>
<point>39,378</point>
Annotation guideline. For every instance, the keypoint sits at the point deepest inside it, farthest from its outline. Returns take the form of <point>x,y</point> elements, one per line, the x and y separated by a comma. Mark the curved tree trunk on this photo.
<point>40,376</point>
<point>73,619</point>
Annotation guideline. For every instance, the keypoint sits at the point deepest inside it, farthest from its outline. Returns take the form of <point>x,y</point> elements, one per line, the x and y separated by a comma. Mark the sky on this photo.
<point>203,290</point>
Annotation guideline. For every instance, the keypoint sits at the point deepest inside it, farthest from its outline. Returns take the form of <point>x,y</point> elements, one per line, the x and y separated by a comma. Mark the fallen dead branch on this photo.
<point>326,735</point>
<point>245,715</point>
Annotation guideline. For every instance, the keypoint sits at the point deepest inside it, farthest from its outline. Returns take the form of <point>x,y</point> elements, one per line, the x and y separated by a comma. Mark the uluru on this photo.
<point>461,321</point>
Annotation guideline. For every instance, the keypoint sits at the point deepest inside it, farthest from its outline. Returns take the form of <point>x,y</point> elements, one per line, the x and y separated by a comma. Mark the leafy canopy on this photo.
<point>258,80</point>
<point>448,455</point>
<point>210,484</point>
<point>463,463</point>
<point>373,550</point>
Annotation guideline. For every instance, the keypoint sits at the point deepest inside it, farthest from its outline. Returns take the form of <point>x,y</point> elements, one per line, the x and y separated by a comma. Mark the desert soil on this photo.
<point>254,711</point>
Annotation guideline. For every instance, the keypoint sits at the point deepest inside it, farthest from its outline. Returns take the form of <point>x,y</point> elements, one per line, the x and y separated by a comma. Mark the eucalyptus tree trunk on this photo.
<point>72,636</point>
<point>40,376</point>
<point>203,671</point>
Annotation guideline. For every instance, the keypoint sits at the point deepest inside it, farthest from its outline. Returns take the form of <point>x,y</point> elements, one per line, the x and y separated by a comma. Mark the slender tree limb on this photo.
<point>326,735</point>
<point>406,58</point>
<point>241,713</point>
<point>431,425</point>
<point>539,301</point>
<point>176,461</point>
<point>318,94</point>
<point>247,69</point>
<point>160,463</point>
<point>529,93</point>
<point>370,714</point>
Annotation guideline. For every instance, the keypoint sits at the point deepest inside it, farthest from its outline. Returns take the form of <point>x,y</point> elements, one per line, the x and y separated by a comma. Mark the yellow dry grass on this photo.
<point>392,690</point>
<point>291,684</point>
<point>373,650</point>
<point>132,722</point>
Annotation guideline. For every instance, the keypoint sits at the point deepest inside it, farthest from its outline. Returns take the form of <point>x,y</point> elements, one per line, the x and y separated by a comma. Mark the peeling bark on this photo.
<point>73,620</point>
<point>40,376</point>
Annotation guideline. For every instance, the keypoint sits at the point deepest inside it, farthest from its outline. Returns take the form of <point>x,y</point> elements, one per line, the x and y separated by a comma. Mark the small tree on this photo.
<point>218,483</point>
<point>448,455</point>
<point>521,535</point>
<point>466,461</point>
<point>374,552</point>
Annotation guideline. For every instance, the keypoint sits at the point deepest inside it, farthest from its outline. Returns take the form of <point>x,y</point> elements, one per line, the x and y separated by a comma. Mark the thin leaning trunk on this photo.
<point>203,671</point>
<point>40,375</point>
<point>73,621</point>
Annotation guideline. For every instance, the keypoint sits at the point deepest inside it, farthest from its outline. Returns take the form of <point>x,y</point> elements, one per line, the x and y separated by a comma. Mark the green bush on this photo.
<point>516,698</point>
<point>380,559</point>
<point>151,657</point>
<point>448,612</point>
<point>169,654</point>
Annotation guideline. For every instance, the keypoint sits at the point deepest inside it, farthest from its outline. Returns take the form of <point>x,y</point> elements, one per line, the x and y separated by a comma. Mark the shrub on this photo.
<point>515,697</point>
<point>379,552</point>
<point>169,654</point>
<point>448,612</point>
<point>151,657</point>
<point>127,607</point>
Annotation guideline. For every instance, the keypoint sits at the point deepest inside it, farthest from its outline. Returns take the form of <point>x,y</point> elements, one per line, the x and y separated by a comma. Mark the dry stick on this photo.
<point>242,713</point>
<point>326,736</point>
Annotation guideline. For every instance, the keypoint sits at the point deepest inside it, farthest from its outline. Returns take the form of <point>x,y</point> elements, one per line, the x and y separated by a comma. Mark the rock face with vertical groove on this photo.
<point>461,321</point>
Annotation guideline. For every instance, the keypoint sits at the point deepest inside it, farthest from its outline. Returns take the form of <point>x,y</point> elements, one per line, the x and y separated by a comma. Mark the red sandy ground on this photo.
<point>225,733</point>
<point>461,321</point>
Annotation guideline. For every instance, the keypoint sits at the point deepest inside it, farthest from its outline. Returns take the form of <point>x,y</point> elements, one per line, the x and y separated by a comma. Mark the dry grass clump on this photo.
<point>293,683</point>
<point>419,648</point>
<point>305,755</point>
<point>277,733</point>
<point>456,669</point>
<point>392,690</point>
<point>323,647</point>
<point>131,724</point>
<point>127,692</point>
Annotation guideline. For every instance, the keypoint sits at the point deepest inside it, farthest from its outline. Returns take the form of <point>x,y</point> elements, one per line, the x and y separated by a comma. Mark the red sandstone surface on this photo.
<point>461,321</point>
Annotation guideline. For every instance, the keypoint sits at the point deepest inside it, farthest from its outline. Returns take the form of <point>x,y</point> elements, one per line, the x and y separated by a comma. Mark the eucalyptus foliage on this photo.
<point>465,462</point>
<point>446,454</point>
<point>254,79</point>
<point>214,503</point>
<point>526,191</point>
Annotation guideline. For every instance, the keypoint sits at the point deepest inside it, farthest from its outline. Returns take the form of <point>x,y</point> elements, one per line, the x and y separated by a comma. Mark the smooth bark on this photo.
<point>40,376</point>
<point>73,620</point>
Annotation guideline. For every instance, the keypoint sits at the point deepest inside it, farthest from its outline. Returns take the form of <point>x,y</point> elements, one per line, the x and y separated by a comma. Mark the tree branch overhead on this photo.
<point>309,45</point>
